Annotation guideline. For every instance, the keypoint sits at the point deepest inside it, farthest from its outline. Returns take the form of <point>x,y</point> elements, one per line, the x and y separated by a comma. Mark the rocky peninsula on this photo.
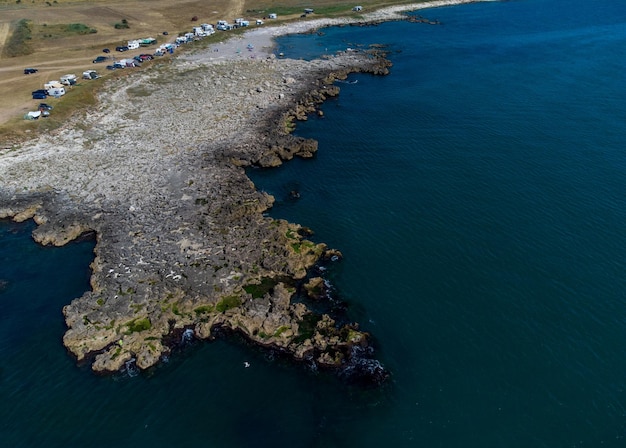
<point>184,247</point>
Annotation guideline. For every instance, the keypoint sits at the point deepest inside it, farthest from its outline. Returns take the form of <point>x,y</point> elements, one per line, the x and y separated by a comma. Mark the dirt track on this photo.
<point>73,54</point>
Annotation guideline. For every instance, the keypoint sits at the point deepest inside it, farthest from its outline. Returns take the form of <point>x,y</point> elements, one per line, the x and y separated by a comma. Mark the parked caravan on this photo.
<point>68,80</point>
<point>147,41</point>
<point>133,44</point>
<point>128,62</point>
<point>223,25</point>
<point>32,115</point>
<point>52,85</point>
<point>56,92</point>
<point>90,74</point>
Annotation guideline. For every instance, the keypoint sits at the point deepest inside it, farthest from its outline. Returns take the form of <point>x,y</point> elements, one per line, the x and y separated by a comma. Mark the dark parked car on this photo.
<point>106,50</point>
<point>28,71</point>
<point>111,67</point>
<point>100,59</point>
<point>42,91</point>
<point>165,33</point>
<point>121,48</point>
<point>39,96</point>
<point>44,106</point>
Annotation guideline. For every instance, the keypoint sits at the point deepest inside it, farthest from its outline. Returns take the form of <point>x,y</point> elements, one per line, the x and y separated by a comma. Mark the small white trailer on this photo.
<point>68,80</point>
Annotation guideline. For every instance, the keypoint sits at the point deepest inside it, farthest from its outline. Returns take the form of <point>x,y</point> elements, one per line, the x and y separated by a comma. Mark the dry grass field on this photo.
<point>55,50</point>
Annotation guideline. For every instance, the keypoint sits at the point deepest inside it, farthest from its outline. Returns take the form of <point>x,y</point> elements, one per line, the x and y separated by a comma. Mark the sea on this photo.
<point>478,195</point>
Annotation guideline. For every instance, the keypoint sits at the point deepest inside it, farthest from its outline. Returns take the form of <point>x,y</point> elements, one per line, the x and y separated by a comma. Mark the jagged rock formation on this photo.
<point>182,240</point>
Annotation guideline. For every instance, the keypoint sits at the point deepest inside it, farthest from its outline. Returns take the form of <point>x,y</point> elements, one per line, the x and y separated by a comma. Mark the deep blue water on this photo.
<point>477,193</point>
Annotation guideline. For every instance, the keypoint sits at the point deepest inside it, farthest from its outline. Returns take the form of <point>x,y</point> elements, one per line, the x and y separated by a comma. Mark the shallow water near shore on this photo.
<point>477,194</point>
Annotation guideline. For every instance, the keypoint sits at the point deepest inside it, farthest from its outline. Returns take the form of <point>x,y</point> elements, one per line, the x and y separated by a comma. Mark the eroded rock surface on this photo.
<point>157,172</point>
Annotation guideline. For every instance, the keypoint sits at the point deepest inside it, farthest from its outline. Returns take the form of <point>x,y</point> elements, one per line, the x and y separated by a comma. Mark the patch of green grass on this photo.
<point>138,91</point>
<point>228,303</point>
<point>281,330</point>
<point>18,43</point>
<point>136,307</point>
<point>79,99</point>
<point>122,25</point>
<point>117,352</point>
<point>257,291</point>
<point>203,309</point>
<point>296,247</point>
<point>79,28</point>
<point>306,327</point>
<point>137,325</point>
<point>262,334</point>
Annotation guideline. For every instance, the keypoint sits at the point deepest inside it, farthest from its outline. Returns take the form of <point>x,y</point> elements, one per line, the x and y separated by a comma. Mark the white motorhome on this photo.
<point>133,44</point>
<point>272,16</point>
<point>208,28</point>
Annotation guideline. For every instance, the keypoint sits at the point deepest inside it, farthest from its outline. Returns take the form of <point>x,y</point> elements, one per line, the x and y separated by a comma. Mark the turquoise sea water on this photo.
<point>478,195</point>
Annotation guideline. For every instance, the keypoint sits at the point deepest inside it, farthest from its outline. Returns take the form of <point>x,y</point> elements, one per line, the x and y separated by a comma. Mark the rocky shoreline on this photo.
<point>184,247</point>
<point>183,244</point>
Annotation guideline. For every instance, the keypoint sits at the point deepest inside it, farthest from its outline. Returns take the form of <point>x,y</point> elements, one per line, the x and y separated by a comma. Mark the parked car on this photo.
<point>40,96</point>
<point>145,57</point>
<point>121,48</point>
<point>43,91</point>
<point>111,67</point>
<point>28,71</point>
<point>165,33</point>
<point>106,50</point>
<point>100,59</point>
<point>119,65</point>
<point>44,106</point>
